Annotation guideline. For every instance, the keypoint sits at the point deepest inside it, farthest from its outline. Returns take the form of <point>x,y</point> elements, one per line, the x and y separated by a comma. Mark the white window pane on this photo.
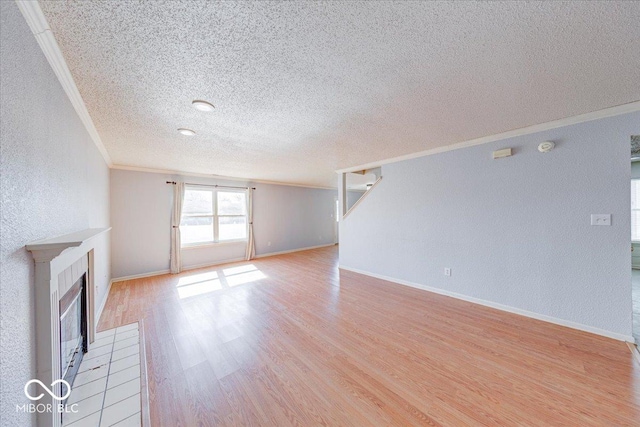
<point>232,228</point>
<point>197,202</point>
<point>196,230</point>
<point>635,226</point>
<point>635,194</point>
<point>231,203</point>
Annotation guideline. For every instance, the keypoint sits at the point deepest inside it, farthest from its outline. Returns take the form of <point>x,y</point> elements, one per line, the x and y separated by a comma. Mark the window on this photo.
<point>635,210</point>
<point>212,216</point>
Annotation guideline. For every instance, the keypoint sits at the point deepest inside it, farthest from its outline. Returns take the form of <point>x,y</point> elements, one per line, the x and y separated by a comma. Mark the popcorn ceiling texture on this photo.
<point>304,88</point>
<point>54,181</point>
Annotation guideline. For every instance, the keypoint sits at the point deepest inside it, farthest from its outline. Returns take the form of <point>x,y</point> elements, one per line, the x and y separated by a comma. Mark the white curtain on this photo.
<point>251,245</point>
<point>178,199</point>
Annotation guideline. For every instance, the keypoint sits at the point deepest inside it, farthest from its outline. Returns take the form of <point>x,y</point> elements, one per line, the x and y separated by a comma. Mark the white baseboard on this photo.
<point>141,275</point>
<point>103,303</point>
<point>294,250</point>
<point>498,306</point>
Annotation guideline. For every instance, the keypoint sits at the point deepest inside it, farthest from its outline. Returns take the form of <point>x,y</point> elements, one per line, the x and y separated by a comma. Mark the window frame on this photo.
<point>215,217</point>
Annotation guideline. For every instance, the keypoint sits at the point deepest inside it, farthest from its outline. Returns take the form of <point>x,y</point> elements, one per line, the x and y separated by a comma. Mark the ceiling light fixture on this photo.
<point>203,105</point>
<point>187,132</point>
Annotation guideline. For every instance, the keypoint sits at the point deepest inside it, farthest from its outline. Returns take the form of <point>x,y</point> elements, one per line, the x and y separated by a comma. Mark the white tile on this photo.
<point>124,363</point>
<point>79,393</point>
<point>120,411</point>
<point>101,342</point>
<point>134,420</point>
<point>106,333</point>
<point>89,364</point>
<point>127,334</point>
<point>100,351</point>
<point>121,392</point>
<point>119,345</point>
<point>123,376</point>
<point>90,421</point>
<point>125,352</point>
<point>85,408</point>
<point>128,327</point>
<point>90,375</point>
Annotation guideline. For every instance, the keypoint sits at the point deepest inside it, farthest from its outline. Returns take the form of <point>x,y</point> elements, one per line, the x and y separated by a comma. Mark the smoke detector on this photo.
<point>546,146</point>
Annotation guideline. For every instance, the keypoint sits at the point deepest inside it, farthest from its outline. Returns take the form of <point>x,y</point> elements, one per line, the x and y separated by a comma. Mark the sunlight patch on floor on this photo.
<point>203,283</point>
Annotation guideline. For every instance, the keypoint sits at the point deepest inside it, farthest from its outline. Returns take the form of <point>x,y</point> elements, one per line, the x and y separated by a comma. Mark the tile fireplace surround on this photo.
<point>110,384</point>
<point>58,263</point>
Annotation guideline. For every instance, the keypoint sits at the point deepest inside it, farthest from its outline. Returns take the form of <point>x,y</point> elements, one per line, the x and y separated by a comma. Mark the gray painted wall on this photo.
<point>285,218</point>
<point>352,197</point>
<point>53,182</point>
<point>515,231</point>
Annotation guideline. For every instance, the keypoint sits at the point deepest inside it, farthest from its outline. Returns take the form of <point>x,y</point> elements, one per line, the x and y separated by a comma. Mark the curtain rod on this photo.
<point>211,185</point>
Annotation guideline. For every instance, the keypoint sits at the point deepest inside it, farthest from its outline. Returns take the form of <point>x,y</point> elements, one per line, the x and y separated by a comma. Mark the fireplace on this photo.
<point>66,310</point>
<point>73,329</point>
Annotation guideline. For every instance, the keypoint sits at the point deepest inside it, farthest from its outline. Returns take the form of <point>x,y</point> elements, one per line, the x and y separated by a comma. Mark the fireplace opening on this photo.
<point>73,329</point>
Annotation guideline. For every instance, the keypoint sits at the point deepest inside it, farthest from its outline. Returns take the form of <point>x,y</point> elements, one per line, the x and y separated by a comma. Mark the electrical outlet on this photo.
<point>447,272</point>
<point>268,243</point>
<point>600,219</point>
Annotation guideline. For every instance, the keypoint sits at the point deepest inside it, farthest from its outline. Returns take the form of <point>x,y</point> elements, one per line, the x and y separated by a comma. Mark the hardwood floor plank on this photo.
<point>308,344</point>
<point>207,402</point>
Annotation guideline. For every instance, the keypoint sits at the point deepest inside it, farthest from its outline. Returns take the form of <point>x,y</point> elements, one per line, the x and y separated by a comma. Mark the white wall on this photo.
<point>285,218</point>
<point>53,182</point>
<point>515,231</point>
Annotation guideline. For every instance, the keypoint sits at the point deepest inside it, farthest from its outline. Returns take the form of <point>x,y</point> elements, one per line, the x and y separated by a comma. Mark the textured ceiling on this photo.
<point>304,88</point>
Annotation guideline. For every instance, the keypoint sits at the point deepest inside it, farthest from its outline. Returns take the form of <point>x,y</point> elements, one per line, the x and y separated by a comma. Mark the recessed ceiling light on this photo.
<point>202,105</point>
<point>186,131</point>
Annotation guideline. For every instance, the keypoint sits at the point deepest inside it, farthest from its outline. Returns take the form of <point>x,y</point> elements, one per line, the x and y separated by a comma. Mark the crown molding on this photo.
<point>595,115</point>
<point>47,42</point>
<point>213,176</point>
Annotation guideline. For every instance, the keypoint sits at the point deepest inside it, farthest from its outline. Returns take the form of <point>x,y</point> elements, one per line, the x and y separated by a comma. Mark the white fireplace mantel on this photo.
<point>54,258</point>
<point>46,250</point>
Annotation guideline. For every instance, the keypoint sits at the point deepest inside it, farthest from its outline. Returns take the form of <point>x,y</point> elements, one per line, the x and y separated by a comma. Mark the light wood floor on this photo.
<point>311,345</point>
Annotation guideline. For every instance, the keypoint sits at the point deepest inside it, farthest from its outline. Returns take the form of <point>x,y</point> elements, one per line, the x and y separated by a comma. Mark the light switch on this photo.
<point>600,219</point>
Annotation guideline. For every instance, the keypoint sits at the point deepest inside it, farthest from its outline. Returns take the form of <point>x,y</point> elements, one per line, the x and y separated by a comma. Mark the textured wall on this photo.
<point>288,217</point>
<point>53,181</point>
<point>515,231</point>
